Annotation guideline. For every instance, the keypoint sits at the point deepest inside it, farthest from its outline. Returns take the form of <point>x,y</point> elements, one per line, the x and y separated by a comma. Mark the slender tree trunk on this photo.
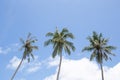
<point>17,69</point>
<point>102,74</point>
<point>59,67</point>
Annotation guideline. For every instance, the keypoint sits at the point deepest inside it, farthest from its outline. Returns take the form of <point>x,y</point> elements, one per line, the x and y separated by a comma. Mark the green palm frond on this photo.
<point>110,48</point>
<point>49,34</point>
<point>67,49</point>
<point>70,45</point>
<point>55,51</point>
<point>105,56</point>
<point>95,35</point>
<point>29,35</point>
<point>93,55</point>
<point>64,30</point>
<point>68,35</point>
<point>88,48</point>
<point>22,41</point>
<point>34,47</point>
<point>32,56</point>
<point>46,43</point>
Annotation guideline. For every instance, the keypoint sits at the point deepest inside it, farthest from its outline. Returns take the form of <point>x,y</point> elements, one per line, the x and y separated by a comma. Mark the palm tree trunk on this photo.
<point>102,71</point>
<point>17,69</point>
<point>59,67</point>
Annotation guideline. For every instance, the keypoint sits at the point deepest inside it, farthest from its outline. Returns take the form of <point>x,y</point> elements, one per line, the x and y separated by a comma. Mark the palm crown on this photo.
<point>28,47</point>
<point>100,49</point>
<point>60,42</point>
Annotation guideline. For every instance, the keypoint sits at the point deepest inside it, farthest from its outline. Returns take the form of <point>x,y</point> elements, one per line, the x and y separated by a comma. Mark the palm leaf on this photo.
<point>32,56</point>
<point>88,48</point>
<point>29,35</point>
<point>70,45</point>
<point>46,43</point>
<point>68,35</point>
<point>22,41</point>
<point>55,51</point>
<point>49,34</point>
<point>93,55</point>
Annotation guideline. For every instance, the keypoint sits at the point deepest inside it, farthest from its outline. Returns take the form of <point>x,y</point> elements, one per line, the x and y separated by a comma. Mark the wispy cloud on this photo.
<point>34,66</point>
<point>31,67</point>
<point>13,63</point>
<point>22,79</point>
<point>4,51</point>
<point>83,69</point>
<point>8,49</point>
<point>52,62</point>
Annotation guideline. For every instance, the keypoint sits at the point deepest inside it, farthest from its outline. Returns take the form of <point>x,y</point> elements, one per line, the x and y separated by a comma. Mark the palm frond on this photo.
<point>90,40</point>
<point>32,56</point>
<point>104,41</point>
<point>88,48</point>
<point>49,34</point>
<point>29,35</point>
<point>64,31</point>
<point>34,47</point>
<point>22,41</point>
<point>67,49</point>
<point>99,57</point>
<point>21,48</point>
<point>70,45</point>
<point>28,59</point>
<point>93,55</point>
<point>110,47</point>
<point>68,35</point>
<point>95,35</point>
<point>55,51</point>
<point>105,56</point>
<point>46,43</point>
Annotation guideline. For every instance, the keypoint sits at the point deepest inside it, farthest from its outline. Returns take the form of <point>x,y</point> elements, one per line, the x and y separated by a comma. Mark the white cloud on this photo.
<point>83,69</point>
<point>34,68</point>
<point>14,62</point>
<point>52,62</point>
<point>31,67</point>
<point>4,51</point>
<point>22,79</point>
<point>12,47</point>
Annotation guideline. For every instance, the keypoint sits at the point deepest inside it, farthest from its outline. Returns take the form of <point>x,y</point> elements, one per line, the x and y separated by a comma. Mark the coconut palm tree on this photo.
<point>60,42</point>
<point>28,49</point>
<point>100,49</point>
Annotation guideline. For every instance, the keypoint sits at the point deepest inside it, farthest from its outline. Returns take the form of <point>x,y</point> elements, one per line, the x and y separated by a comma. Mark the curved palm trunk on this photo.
<point>59,67</point>
<point>102,71</point>
<point>17,69</point>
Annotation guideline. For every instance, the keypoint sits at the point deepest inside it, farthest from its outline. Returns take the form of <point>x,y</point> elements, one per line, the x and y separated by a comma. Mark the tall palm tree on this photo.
<point>60,42</point>
<point>100,49</point>
<point>28,49</point>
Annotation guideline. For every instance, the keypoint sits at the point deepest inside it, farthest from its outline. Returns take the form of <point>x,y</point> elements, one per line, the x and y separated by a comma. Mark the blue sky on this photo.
<point>81,17</point>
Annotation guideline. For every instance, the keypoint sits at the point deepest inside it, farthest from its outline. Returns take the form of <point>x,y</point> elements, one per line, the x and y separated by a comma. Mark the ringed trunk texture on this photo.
<point>17,69</point>
<point>59,67</point>
<point>102,73</point>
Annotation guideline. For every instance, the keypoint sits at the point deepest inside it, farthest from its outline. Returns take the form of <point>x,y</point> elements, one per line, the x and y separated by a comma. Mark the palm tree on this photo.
<point>28,49</point>
<point>60,42</point>
<point>100,49</point>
